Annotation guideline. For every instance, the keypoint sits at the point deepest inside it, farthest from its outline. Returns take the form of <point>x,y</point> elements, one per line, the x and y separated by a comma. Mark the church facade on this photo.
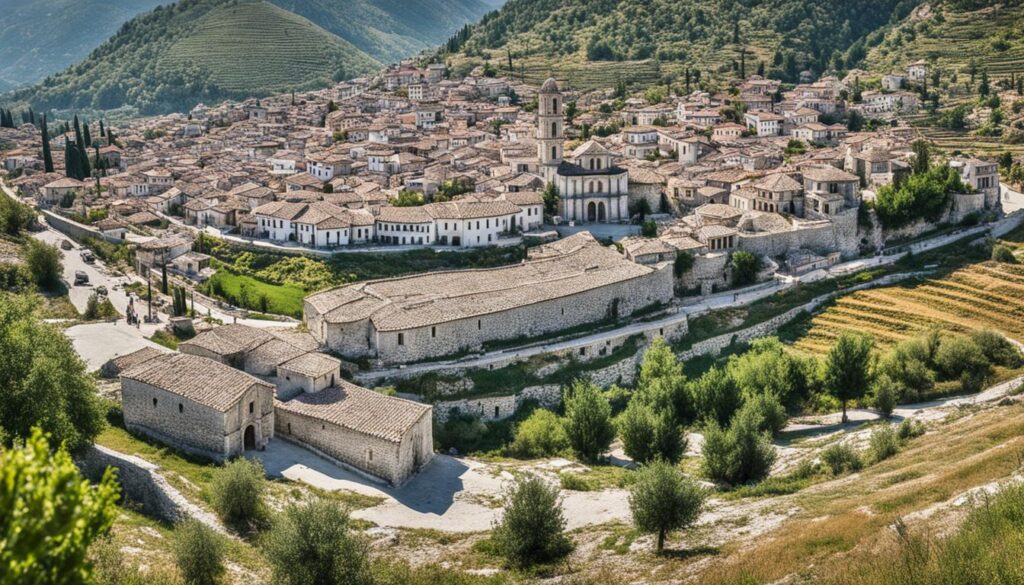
<point>591,188</point>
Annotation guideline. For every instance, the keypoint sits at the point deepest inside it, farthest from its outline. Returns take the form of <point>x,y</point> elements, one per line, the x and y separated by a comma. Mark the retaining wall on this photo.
<point>142,483</point>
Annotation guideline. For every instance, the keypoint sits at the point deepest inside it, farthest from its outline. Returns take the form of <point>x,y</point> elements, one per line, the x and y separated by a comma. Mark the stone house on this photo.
<point>198,405</point>
<point>386,437</point>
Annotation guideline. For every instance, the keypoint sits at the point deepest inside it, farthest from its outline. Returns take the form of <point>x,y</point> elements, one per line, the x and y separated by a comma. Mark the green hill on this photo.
<point>202,50</point>
<point>39,37</point>
<point>390,30</point>
<point>571,36</point>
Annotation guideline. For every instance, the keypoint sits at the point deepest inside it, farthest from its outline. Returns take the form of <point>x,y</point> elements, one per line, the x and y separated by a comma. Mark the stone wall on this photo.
<point>836,235</point>
<point>490,408</point>
<point>75,230</point>
<point>142,484</point>
<point>462,335</point>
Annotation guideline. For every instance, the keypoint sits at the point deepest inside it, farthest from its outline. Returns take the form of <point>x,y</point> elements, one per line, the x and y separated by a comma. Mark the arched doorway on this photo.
<point>591,211</point>
<point>249,439</point>
<point>601,214</point>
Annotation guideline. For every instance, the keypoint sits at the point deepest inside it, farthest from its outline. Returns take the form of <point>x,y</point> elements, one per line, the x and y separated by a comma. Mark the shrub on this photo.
<point>883,443</point>
<point>740,454</point>
<point>715,396</point>
<point>588,423</point>
<point>649,229</point>
<point>574,482</point>
<point>997,349</point>
<point>840,459</point>
<point>648,435</point>
<point>462,432</point>
<point>532,527</point>
<point>662,499</point>
<point>541,435</point>
<point>745,267</point>
<point>772,414</point>
<point>886,395</point>
<point>44,263</point>
<point>49,514</point>
<point>910,429</point>
<point>1003,253</point>
<point>960,358</point>
<point>198,553</point>
<point>314,543</point>
<point>236,493</point>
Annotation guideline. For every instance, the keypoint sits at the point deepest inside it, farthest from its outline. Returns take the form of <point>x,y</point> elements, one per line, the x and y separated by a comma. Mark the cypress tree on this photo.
<point>31,116</point>
<point>47,155</point>
<point>103,131</point>
<point>81,154</point>
<point>86,135</point>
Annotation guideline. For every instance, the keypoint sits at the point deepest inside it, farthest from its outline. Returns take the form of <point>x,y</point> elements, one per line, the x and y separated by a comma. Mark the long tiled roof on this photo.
<point>359,409</point>
<point>198,379</point>
<point>578,264</point>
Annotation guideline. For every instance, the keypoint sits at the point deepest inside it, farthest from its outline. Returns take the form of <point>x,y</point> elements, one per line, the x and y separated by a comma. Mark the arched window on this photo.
<point>554,152</point>
<point>598,164</point>
<point>591,164</point>
<point>554,129</point>
<point>591,189</point>
<point>554,106</point>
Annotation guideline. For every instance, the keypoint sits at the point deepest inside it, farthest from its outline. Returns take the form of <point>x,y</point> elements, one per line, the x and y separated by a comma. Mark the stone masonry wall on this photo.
<point>142,483</point>
<point>524,322</point>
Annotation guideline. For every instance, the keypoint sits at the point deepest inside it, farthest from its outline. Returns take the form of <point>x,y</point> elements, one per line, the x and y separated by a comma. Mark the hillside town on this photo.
<point>630,222</point>
<point>413,159</point>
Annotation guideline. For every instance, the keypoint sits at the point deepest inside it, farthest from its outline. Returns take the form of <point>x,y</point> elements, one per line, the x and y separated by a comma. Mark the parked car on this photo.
<point>81,278</point>
<point>87,257</point>
<point>65,245</point>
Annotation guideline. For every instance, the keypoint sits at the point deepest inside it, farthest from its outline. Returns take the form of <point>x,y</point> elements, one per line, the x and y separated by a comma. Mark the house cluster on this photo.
<point>233,388</point>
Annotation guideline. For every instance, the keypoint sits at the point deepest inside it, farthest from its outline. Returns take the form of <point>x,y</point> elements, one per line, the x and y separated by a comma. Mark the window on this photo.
<point>371,454</point>
<point>497,411</point>
<point>433,331</point>
<point>554,129</point>
<point>479,325</point>
<point>401,339</point>
<point>154,403</point>
<point>289,428</point>
<point>181,407</point>
<point>554,152</point>
<point>252,407</point>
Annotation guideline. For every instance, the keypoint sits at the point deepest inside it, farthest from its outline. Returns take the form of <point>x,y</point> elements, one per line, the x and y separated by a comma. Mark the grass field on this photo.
<point>282,299</point>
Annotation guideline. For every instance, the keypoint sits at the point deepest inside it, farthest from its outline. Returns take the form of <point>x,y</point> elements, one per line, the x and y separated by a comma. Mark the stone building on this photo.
<point>387,437</point>
<point>591,187</point>
<point>198,405</point>
<point>572,282</point>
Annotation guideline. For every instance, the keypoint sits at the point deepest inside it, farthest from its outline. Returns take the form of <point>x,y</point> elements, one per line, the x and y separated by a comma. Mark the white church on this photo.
<point>591,189</point>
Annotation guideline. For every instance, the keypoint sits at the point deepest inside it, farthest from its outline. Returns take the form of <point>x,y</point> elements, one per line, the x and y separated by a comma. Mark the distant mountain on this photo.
<point>587,41</point>
<point>390,30</point>
<point>40,37</point>
<point>202,50</point>
<point>207,50</point>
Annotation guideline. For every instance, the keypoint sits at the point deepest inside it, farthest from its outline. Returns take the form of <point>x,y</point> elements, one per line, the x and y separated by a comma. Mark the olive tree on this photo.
<point>532,527</point>
<point>662,500</point>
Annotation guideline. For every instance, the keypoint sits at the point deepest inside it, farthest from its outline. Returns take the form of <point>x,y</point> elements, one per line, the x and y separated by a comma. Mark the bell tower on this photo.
<point>550,136</point>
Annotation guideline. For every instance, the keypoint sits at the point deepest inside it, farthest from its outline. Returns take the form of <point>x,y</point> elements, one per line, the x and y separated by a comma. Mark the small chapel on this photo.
<point>591,188</point>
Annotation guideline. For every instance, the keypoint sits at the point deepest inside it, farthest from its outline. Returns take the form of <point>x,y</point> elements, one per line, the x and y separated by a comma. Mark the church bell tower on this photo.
<point>550,138</point>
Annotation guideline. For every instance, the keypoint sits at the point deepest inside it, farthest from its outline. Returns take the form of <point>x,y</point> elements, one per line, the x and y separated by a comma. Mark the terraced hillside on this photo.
<point>989,295</point>
<point>256,46</point>
<point>389,30</point>
<point>202,50</point>
<point>951,37</point>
